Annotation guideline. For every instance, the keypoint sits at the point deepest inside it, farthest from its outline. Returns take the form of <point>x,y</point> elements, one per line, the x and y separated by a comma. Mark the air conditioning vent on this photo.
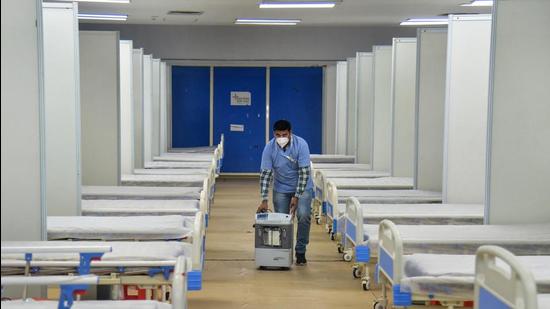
<point>191,13</point>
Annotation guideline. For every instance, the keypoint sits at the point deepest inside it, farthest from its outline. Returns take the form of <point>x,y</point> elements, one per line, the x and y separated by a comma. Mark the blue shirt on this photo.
<point>285,163</point>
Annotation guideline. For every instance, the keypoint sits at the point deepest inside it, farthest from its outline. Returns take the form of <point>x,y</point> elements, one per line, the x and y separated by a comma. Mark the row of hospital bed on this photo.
<point>144,239</point>
<point>424,250</point>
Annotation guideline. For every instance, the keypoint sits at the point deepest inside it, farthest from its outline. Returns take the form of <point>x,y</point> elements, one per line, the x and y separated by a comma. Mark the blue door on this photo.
<point>190,106</point>
<point>296,94</point>
<point>243,125</point>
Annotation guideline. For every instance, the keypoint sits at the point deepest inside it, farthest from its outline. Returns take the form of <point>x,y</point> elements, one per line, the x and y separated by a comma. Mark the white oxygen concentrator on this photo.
<point>274,240</point>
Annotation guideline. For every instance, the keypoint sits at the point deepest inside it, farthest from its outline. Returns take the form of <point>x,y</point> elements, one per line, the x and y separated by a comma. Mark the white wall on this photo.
<point>430,108</point>
<point>100,108</point>
<point>381,147</point>
<point>163,108</point>
<point>466,103</point>
<point>329,110</point>
<point>403,94</point>
<point>351,120</point>
<point>23,203</point>
<point>62,108</point>
<point>519,127</point>
<point>126,108</point>
<point>147,108</point>
<point>155,137</point>
<point>365,104</point>
<point>137,83</point>
<point>341,106</point>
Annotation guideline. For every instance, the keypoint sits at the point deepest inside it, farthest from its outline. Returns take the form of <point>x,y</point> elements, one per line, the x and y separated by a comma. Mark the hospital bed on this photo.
<point>331,158</point>
<point>398,245</point>
<point>117,264</point>
<point>503,280</point>
<point>341,166</point>
<point>335,200</point>
<point>141,193</point>
<point>163,180</point>
<point>177,165</point>
<point>380,183</point>
<point>141,207</point>
<point>206,149</point>
<point>357,215</point>
<point>188,156</point>
<point>167,171</point>
<point>134,228</point>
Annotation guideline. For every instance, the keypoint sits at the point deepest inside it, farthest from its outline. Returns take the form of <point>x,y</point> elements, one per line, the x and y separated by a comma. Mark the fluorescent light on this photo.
<point>425,21</point>
<point>296,5</point>
<point>263,21</point>
<point>479,3</point>
<point>100,1</point>
<point>103,17</point>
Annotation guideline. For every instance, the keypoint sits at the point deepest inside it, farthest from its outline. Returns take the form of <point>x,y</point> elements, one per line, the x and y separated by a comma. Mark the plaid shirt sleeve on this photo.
<point>303,177</point>
<point>265,181</point>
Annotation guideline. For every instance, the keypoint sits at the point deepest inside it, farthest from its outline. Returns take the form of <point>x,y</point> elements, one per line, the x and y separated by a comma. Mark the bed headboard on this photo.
<point>502,282</point>
<point>390,251</point>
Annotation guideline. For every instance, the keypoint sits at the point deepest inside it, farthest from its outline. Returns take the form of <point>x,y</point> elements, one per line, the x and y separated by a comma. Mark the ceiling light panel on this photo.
<point>425,22</point>
<point>120,17</point>
<point>297,5</point>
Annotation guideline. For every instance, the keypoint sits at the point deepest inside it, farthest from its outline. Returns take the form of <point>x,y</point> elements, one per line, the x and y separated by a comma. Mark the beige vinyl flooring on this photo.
<point>230,279</point>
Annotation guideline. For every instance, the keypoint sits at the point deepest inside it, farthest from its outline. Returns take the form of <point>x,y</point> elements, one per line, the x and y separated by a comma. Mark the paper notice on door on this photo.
<point>241,98</point>
<point>236,127</point>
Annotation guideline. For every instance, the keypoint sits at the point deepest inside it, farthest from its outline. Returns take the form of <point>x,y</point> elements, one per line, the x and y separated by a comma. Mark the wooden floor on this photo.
<point>232,281</point>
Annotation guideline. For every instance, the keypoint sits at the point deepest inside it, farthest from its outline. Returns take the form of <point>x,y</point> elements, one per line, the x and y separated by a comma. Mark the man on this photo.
<point>286,160</point>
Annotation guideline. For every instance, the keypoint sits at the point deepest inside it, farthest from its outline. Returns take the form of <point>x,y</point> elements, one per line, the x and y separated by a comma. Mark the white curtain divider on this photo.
<point>126,108</point>
<point>381,145</point>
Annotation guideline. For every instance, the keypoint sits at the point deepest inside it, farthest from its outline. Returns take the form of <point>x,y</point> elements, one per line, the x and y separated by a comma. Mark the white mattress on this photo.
<point>342,166</point>
<point>330,158</point>
<point>185,157</point>
<point>391,196</point>
<point>382,183</point>
<point>543,301</point>
<point>177,165</point>
<point>135,192</point>
<point>89,304</point>
<point>168,171</point>
<point>354,174</point>
<point>118,228</point>
<point>454,274</point>
<point>415,214</point>
<point>121,250</point>
<point>163,180</point>
<point>205,149</point>
<point>139,207</point>
<point>532,239</point>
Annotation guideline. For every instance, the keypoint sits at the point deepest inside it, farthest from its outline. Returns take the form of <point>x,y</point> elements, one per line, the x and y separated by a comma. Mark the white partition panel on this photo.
<point>147,108</point>
<point>381,144</point>
<point>155,115</point>
<point>137,85</point>
<point>430,108</point>
<point>126,108</point>
<point>341,106</point>
<point>519,118</point>
<point>329,109</point>
<point>466,104</point>
<point>365,104</point>
<point>351,120</point>
<point>100,107</point>
<point>62,108</point>
<point>23,203</point>
<point>163,108</point>
<point>403,93</point>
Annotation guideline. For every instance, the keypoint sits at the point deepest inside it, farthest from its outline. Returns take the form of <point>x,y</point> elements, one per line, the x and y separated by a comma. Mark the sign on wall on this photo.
<point>241,98</point>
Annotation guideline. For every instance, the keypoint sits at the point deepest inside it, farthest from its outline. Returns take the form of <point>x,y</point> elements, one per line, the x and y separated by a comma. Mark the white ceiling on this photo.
<point>224,12</point>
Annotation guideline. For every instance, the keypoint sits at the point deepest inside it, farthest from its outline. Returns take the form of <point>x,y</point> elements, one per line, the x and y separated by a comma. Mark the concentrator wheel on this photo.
<point>356,272</point>
<point>347,257</point>
<point>366,285</point>
<point>378,305</point>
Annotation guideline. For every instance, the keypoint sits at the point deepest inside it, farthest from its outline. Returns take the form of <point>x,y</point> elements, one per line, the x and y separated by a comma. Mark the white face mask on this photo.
<point>282,141</point>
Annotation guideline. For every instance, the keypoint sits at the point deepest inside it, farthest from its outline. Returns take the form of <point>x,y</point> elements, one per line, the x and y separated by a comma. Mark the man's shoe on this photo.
<point>301,259</point>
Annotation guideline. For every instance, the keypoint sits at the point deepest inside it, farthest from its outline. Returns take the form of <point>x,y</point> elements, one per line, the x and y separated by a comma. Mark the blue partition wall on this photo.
<point>296,94</point>
<point>190,106</point>
<point>243,149</point>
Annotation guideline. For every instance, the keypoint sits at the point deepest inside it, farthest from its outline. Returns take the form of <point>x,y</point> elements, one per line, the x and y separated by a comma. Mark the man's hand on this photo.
<point>263,207</point>
<point>293,205</point>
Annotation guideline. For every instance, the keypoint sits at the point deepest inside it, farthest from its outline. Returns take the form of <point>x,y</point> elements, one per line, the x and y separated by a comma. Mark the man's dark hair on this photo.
<point>282,125</point>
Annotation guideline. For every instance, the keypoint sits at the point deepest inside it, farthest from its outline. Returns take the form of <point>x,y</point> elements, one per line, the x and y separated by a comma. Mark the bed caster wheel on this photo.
<point>356,272</point>
<point>366,285</point>
<point>347,257</point>
<point>318,221</point>
<point>378,305</point>
<point>332,236</point>
<point>340,249</point>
